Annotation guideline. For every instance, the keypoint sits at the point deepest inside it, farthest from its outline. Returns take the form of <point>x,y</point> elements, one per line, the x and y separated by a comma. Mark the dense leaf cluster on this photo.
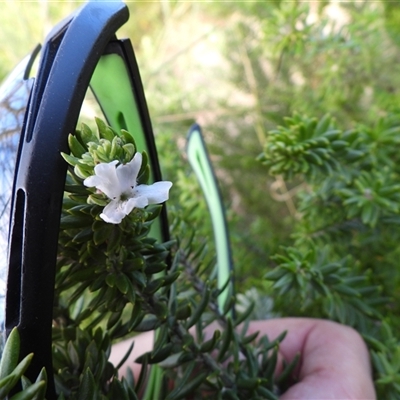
<point>342,263</point>
<point>310,147</point>
<point>12,373</point>
<point>116,281</point>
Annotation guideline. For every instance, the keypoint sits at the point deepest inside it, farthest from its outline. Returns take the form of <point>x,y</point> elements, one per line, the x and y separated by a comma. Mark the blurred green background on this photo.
<point>238,68</point>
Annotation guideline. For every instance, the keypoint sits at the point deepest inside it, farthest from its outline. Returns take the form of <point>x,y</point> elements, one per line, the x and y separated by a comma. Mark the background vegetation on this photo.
<point>239,69</point>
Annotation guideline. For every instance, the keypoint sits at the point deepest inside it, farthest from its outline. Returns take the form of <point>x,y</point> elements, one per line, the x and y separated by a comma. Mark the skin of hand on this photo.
<point>142,344</point>
<point>334,361</point>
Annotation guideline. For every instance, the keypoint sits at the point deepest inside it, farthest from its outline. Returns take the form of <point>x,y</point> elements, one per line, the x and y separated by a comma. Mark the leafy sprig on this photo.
<point>341,262</point>
<point>115,280</point>
<point>310,147</point>
<point>12,373</point>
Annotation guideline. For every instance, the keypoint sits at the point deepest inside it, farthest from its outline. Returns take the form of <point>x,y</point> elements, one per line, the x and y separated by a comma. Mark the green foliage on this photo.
<point>342,264</point>
<point>333,233</point>
<point>310,148</point>
<point>115,280</point>
<point>313,58</point>
<point>385,357</point>
<point>12,373</point>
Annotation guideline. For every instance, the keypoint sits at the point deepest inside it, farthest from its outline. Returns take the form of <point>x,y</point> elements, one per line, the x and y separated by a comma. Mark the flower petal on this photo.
<point>112,213</point>
<point>105,179</point>
<point>120,182</point>
<point>156,193</point>
<point>92,181</point>
<point>134,202</point>
<point>127,174</point>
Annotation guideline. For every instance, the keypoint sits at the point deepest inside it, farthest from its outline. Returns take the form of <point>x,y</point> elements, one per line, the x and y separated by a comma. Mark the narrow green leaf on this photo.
<point>161,354</point>
<point>227,337</point>
<point>42,377</point>
<point>230,394</point>
<point>248,383</point>
<point>266,394</point>
<point>210,344</point>
<point>197,313</point>
<point>103,234</point>
<point>31,392</point>
<point>149,323</point>
<point>346,290</point>
<point>244,315</point>
<point>6,384</point>
<point>9,358</point>
<point>71,160</point>
<point>183,312</point>
<point>122,283</point>
<point>87,388</point>
<point>248,339</point>
<point>105,131</point>
<point>75,146</point>
<point>275,274</point>
<point>191,386</point>
<point>142,376</point>
<point>288,369</point>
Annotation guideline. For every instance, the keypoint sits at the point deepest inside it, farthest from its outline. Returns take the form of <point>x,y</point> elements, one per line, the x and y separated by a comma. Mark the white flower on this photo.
<point>119,184</point>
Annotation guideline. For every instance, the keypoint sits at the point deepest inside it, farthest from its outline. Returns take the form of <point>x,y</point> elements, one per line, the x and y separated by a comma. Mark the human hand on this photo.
<point>334,361</point>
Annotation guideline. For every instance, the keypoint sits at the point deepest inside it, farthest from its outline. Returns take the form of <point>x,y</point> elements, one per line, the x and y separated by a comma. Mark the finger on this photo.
<point>334,358</point>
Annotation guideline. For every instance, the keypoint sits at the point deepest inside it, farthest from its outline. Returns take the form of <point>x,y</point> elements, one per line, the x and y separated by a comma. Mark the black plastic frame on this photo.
<point>68,59</point>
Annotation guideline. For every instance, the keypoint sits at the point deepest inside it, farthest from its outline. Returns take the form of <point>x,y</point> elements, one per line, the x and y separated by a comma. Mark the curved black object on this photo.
<point>68,59</point>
